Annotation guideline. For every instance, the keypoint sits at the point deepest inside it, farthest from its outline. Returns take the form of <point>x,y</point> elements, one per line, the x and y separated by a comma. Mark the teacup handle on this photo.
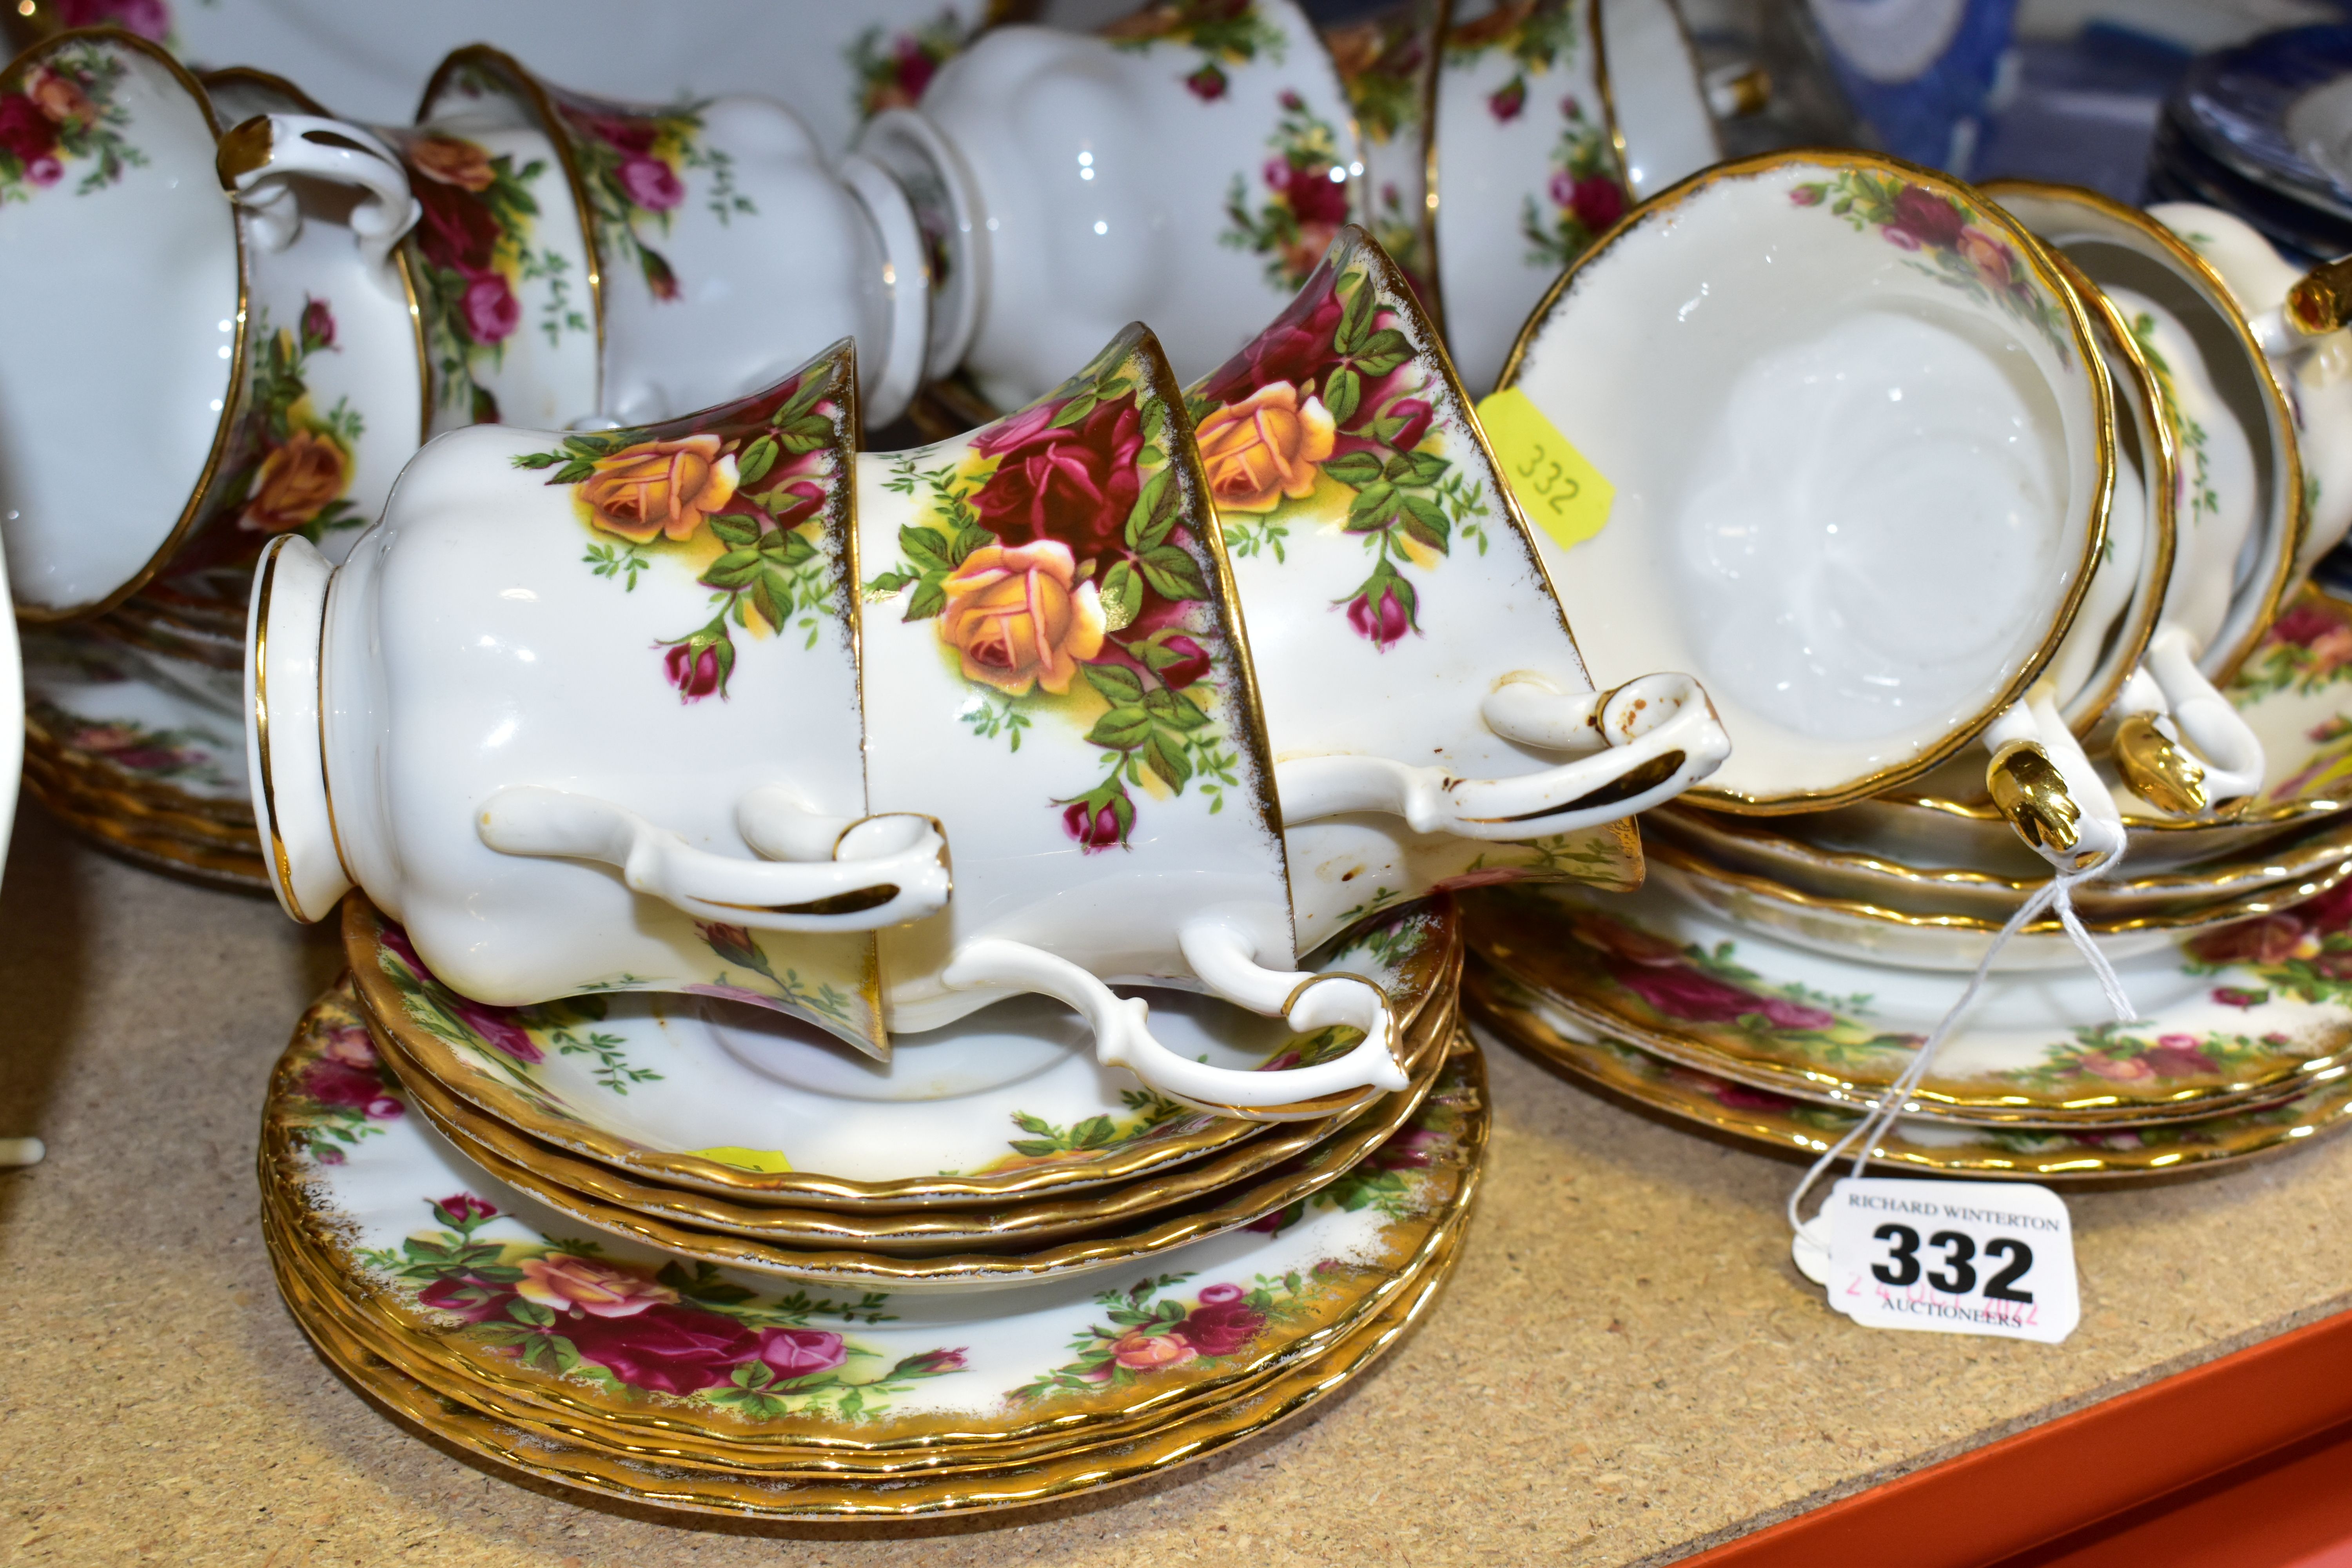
<point>2045,784</point>
<point>1647,741</point>
<point>1123,1036</point>
<point>2228,765</point>
<point>255,158</point>
<point>884,870</point>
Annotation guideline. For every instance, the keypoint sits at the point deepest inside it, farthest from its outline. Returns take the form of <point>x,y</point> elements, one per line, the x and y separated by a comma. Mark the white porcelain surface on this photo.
<point>1656,95</point>
<point>525,655</point>
<point>2316,371</point>
<point>833,64</point>
<point>1468,727</point>
<point>1141,176</point>
<point>120,261</point>
<point>1756,374</point>
<point>728,247</point>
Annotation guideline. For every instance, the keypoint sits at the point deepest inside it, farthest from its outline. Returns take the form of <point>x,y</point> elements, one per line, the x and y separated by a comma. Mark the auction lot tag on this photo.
<point>1954,1257</point>
<point>1561,492</point>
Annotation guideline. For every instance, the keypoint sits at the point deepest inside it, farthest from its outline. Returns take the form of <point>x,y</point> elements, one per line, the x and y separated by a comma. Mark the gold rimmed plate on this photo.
<point>1006,1105</point>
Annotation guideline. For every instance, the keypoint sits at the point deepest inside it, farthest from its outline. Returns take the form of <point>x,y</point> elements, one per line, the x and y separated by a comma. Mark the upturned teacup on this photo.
<point>583,712</point>
<point>257,355</point>
<point>1432,722</point>
<point>1855,446</point>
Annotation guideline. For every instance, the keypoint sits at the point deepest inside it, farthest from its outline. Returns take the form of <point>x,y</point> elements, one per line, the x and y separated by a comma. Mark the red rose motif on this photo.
<point>1311,193</point>
<point>1095,828</point>
<point>348,1088</point>
<point>1297,348</point>
<point>25,132</point>
<point>793,1354</point>
<point>668,1348</point>
<point>1928,218</point>
<point>1680,991</point>
<point>1808,195</point>
<point>696,675</point>
<point>1507,103</point>
<point>1416,416</point>
<point>2266,938</point>
<point>492,312</point>
<point>475,1301</point>
<point>1221,1327</point>
<point>148,18</point>
<point>1075,484</point>
<point>931,1364</point>
<point>624,133</point>
<point>1381,615</point>
<point>2179,1055</point>
<point>2330,911</point>
<point>2235,997</point>
<point>1191,662</point>
<point>1598,201</point>
<point>2118,1069</point>
<point>464,1208</point>
<point>497,1028</point>
<point>318,324</point>
<point>651,184</point>
<point>2303,624</point>
<point>1208,83</point>
<point>455,231</point>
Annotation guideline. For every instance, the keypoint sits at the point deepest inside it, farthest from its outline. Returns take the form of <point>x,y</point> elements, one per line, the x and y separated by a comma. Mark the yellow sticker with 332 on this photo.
<point>1561,492</point>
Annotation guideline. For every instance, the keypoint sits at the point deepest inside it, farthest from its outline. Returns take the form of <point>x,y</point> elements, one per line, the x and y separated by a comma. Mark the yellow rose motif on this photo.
<point>452,161</point>
<point>659,487</point>
<point>563,1280</point>
<point>1020,619</point>
<point>1265,447</point>
<point>296,482</point>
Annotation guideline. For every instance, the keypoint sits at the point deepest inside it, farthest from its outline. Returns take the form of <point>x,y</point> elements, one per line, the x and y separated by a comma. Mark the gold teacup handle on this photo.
<point>2160,770</point>
<point>2321,301</point>
<point>2032,794</point>
<point>2048,799</point>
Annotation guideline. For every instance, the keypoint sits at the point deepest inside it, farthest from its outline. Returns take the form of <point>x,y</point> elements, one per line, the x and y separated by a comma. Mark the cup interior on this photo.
<point>121,264</point>
<point>1860,447</point>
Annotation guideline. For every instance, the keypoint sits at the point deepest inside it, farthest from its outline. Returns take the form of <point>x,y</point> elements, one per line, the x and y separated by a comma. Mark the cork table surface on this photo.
<point>1625,1369</point>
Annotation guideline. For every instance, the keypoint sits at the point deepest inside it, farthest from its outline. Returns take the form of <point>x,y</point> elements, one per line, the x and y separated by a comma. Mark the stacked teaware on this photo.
<point>1983,516</point>
<point>940,876</point>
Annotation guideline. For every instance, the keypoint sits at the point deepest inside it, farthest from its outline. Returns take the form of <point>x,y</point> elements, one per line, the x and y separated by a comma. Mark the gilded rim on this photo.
<point>233,401</point>
<point>383,1006</point>
<point>2153,437</point>
<point>2260,900</point>
<point>1771,1131</point>
<point>1488,979</point>
<point>2037,260</point>
<point>2277,410</point>
<point>542,1454</point>
<point>318,1242</point>
<point>929,1229</point>
<point>2272,863</point>
<point>1215,1215</point>
<point>154,851</point>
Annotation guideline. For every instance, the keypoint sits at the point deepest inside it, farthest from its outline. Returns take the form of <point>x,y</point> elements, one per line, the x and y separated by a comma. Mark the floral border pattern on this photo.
<point>1965,253</point>
<point>1333,415</point>
<point>890,71</point>
<point>751,499</point>
<point>1221,32</point>
<point>62,111</point>
<point>1066,567</point>
<point>634,167</point>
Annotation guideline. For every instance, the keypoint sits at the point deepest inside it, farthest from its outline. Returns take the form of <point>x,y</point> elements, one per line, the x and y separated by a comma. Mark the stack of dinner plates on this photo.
<point>587,1242</point>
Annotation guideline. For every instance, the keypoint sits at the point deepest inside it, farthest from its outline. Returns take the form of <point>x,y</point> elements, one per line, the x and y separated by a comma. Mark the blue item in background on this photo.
<point>1919,74</point>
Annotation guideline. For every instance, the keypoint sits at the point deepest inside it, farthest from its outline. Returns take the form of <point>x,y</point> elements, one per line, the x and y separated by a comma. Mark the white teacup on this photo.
<point>1420,685</point>
<point>584,712</point>
<point>260,362</point>
<point>1860,444</point>
<point>1051,628</point>
<point>1181,169</point>
<point>580,259</point>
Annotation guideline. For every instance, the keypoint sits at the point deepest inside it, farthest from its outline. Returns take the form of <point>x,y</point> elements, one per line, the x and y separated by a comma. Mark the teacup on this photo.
<point>1378,552</point>
<point>1554,116</point>
<point>1189,167</point>
<point>580,260</point>
<point>275,364</point>
<point>1051,626</point>
<point>2299,320</point>
<point>583,714</point>
<point>1753,365</point>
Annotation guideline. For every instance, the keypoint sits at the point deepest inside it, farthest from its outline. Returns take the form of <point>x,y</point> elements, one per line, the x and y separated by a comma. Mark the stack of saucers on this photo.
<point>2264,129</point>
<point>591,1242</point>
<point>1777,974</point>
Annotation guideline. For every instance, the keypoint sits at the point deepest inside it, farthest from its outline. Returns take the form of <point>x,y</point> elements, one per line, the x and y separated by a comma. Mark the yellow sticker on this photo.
<point>768,1161</point>
<point>1563,495</point>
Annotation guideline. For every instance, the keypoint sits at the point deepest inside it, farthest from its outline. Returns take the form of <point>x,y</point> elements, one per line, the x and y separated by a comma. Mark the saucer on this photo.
<point>99,707</point>
<point>1801,1130</point>
<point>1007,1103</point>
<point>2217,1029</point>
<point>668,1485</point>
<point>423,1249</point>
<point>556,1177</point>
